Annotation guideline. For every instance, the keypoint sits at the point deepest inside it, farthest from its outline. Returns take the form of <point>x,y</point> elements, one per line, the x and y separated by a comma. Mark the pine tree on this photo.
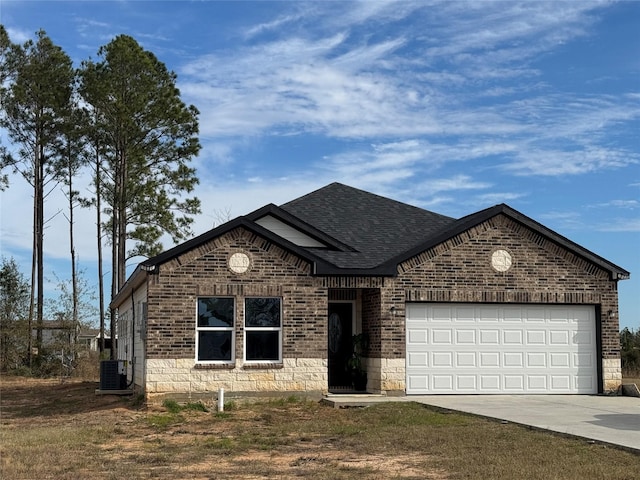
<point>149,137</point>
<point>34,107</point>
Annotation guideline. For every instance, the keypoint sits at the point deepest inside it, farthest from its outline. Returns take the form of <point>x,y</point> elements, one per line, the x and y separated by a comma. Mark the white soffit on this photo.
<point>288,232</point>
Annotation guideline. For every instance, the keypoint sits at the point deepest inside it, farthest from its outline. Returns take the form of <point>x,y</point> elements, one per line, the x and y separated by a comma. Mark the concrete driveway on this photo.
<point>609,419</point>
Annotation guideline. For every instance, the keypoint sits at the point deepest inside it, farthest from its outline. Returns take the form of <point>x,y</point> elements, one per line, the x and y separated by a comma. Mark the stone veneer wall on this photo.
<point>612,373</point>
<point>386,375</point>
<point>180,376</point>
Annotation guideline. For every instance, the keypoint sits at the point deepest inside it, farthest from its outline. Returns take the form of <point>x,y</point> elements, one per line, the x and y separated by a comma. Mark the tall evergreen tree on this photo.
<point>95,151</point>
<point>150,136</point>
<point>73,158</point>
<point>35,105</point>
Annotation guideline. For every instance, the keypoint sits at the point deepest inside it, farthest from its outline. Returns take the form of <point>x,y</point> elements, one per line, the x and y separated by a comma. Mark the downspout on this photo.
<point>133,340</point>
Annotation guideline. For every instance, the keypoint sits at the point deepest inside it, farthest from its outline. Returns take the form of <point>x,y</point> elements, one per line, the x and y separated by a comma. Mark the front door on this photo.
<point>340,347</point>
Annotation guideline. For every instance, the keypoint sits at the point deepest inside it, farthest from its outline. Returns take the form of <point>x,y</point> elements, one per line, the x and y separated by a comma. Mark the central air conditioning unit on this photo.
<point>113,375</point>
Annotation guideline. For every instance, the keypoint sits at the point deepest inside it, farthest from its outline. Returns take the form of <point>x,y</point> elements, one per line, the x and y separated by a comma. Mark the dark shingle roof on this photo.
<point>375,227</point>
<point>364,233</point>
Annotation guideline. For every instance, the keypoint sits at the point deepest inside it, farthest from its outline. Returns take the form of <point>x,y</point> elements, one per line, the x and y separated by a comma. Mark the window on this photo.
<point>214,330</point>
<point>263,330</point>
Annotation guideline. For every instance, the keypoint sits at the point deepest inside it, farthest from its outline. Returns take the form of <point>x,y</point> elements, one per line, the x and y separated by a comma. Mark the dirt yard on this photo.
<point>51,430</point>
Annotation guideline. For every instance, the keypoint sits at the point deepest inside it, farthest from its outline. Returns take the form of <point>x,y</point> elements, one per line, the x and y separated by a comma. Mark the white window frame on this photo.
<point>216,329</point>
<point>263,329</point>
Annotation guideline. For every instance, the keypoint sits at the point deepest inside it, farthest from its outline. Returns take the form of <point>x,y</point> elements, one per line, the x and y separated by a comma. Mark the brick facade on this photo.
<point>458,270</point>
<point>174,291</point>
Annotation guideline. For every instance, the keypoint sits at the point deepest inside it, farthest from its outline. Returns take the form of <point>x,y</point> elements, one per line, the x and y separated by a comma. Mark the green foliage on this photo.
<point>630,350</point>
<point>163,421</point>
<point>14,329</point>
<point>172,406</point>
<point>149,135</point>
<point>196,407</point>
<point>36,102</point>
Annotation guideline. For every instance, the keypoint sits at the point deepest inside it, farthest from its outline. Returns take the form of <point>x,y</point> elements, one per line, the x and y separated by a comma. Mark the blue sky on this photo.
<point>450,106</point>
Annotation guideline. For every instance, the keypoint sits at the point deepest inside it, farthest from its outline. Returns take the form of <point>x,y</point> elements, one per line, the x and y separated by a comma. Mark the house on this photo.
<point>61,334</point>
<point>491,303</point>
<point>56,334</point>
<point>89,339</point>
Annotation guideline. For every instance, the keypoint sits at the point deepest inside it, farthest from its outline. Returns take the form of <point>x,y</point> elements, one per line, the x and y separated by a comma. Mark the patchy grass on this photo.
<point>58,431</point>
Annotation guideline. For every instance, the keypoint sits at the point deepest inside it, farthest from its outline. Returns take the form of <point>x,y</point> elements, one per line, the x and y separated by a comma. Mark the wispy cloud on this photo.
<point>19,35</point>
<point>620,225</point>
<point>563,219</point>
<point>333,79</point>
<point>623,204</point>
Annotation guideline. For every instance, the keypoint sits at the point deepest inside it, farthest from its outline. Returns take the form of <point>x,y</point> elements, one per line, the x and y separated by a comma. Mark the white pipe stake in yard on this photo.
<point>221,400</point>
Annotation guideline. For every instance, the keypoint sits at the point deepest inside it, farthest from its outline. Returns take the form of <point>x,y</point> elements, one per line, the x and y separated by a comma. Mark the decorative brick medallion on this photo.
<point>239,262</point>
<point>501,260</point>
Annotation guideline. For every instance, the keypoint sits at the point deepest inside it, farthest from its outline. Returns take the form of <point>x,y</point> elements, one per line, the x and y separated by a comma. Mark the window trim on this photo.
<point>279,329</point>
<point>231,329</point>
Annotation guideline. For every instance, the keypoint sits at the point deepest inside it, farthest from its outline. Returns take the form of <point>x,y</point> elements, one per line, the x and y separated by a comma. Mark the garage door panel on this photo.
<point>558,337</point>
<point>442,383</point>
<point>537,383</point>
<point>418,383</point>
<point>513,315</point>
<point>514,383</point>
<point>513,359</point>
<point>534,315</point>
<point>512,337</point>
<point>466,383</point>
<point>490,383</point>
<point>500,349</point>
<point>536,359</point>
<point>560,383</point>
<point>464,315</point>
<point>583,337</point>
<point>536,337</point>
<point>583,360</point>
<point>442,314</point>
<point>489,359</point>
<point>417,359</point>
<point>441,336</point>
<point>418,336</point>
<point>489,337</point>
<point>442,359</point>
<point>558,360</point>
<point>584,382</point>
<point>465,336</point>
<point>560,315</point>
<point>466,359</point>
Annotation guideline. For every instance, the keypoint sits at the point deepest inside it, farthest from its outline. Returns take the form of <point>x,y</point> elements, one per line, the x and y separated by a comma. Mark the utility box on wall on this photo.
<point>112,376</point>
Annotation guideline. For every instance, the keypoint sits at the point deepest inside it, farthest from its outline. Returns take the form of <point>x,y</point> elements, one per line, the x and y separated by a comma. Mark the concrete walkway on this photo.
<point>609,419</point>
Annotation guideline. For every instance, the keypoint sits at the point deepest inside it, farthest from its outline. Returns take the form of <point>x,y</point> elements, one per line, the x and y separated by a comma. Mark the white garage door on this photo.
<point>500,349</point>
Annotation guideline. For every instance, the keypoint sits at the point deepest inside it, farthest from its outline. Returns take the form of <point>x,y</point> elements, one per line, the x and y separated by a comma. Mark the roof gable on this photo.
<point>474,219</point>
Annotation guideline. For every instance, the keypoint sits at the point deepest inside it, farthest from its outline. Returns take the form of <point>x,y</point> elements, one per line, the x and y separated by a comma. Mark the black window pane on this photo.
<point>215,312</point>
<point>262,312</point>
<point>263,346</point>
<point>214,346</point>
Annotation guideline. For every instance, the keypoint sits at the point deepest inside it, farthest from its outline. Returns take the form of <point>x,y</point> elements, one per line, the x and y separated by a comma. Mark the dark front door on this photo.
<point>340,348</point>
